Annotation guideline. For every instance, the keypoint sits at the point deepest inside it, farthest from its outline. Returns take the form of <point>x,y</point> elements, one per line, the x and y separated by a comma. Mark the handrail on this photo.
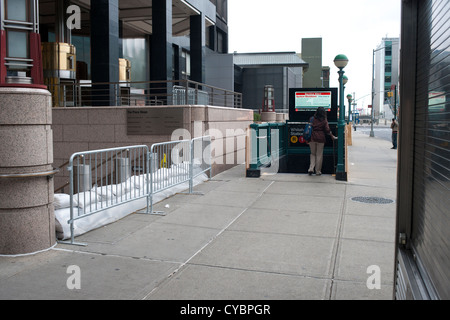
<point>29,175</point>
<point>142,93</point>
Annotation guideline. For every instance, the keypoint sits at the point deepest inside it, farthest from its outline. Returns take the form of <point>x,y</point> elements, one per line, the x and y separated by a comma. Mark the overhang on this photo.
<point>136,15</point>
<point>269,59</point>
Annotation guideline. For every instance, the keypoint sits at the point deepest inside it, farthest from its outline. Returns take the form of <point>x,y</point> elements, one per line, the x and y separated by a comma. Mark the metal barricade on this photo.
<point>102,179</point>
<point>201,159</point>
<point>179,162</point>
<point>174,166</point>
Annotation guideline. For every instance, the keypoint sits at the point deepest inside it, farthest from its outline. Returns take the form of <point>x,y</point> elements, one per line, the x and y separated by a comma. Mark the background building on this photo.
<point>253,71</point>
<point>386,75</point>
<point>314,76</point>
<point>160,40</point>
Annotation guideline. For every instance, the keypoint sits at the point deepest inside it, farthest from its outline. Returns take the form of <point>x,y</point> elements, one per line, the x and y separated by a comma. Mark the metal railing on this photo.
<point>179,162</point>
<point>141,93</point>
<point>268,143</point>
<point>103,179</point>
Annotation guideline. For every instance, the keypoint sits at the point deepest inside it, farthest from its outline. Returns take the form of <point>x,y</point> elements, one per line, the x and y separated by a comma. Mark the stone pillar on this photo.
<point>27,222</point>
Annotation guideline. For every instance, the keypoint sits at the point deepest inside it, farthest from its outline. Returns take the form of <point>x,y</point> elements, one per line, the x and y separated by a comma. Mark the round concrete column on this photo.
<point>27,222</point>
<point>268,117</point>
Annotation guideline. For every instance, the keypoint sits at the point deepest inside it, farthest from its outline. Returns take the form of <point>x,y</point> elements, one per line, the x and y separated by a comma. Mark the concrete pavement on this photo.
<point>279,237</point>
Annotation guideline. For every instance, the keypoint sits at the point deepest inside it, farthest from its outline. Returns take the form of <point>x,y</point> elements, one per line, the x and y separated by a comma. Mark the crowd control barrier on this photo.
<point>103,179</point>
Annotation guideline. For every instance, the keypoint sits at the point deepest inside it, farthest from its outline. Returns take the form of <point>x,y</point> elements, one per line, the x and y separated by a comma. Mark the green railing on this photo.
<point>268,144</point>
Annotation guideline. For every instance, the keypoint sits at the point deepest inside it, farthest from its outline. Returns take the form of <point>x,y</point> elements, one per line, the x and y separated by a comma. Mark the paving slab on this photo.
<point>199,282</point>
<point>306,223</point>
<point>101,277</point>
<point>269,252</point>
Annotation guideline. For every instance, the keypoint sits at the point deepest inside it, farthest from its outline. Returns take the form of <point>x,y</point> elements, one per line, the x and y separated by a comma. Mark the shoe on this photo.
<point>310,173</point>
<point>318,173</point>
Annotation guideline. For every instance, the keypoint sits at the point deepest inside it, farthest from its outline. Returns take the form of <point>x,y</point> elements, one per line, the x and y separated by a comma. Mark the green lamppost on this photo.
<point>350,99</point>
<point>341,62</point>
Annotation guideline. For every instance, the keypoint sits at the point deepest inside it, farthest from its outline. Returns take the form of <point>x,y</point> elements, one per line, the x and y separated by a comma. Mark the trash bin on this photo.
<point>82,178</point>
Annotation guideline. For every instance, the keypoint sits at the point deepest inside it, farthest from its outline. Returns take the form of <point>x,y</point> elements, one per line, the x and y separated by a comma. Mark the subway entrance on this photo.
<point>282,147</point>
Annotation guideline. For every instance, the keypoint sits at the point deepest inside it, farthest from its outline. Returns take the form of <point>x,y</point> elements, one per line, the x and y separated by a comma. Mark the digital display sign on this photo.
<point>311,100</point>
<point>303,103</point>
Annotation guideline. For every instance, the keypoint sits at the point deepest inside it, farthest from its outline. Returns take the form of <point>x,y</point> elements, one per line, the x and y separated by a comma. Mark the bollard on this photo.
<point>27,222</point>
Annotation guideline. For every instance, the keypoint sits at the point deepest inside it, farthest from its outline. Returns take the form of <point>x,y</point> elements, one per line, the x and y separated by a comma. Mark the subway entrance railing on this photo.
<point>129,178</point>
<point>280,148</point>
<point>267,146</point>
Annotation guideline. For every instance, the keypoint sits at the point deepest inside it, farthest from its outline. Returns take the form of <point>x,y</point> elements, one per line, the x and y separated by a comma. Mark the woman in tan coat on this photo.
<point>318,139</point>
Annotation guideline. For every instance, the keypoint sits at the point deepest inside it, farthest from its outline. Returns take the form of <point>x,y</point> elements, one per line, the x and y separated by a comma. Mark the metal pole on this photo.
<point>340,170</point>
<point>373,93</point>
<point>395,103</point>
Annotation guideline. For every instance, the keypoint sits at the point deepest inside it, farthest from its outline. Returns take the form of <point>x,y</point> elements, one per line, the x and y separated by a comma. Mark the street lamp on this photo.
<point>349,98</point>
<point>341,61</point>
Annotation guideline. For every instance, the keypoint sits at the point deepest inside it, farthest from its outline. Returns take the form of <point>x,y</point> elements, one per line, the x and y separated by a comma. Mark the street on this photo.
<point>380,132</point>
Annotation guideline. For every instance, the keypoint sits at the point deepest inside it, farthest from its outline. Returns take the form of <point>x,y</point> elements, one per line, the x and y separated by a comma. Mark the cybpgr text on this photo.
<point>247,309</point>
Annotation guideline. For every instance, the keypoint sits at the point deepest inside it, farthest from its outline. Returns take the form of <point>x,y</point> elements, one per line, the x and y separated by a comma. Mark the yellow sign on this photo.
<point>294,139</point>
<point>164,162</point>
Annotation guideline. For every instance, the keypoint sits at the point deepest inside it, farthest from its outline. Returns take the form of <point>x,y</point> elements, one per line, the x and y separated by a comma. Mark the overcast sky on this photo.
<point>351,27</point>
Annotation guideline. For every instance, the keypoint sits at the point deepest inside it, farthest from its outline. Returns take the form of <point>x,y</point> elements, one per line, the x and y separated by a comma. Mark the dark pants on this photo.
<point>394,139</point>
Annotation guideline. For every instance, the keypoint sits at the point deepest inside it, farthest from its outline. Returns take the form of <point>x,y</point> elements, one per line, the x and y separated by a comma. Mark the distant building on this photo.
<point>386,74</point>
<point>253,71</point>
<point>315,76</point>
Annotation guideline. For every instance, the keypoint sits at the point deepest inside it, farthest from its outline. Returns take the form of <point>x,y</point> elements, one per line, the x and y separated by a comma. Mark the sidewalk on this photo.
<point>279,237</point>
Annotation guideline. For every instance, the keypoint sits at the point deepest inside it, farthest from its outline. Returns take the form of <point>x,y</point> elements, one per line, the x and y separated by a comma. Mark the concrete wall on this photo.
<point>92,128</point>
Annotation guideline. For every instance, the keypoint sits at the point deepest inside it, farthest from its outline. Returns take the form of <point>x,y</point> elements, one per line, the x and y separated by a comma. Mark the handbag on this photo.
<point>308,130</point>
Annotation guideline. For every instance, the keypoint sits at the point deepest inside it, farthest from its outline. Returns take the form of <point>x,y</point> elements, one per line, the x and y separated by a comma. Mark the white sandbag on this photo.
<point>61,201</point>
<point>90,201</point>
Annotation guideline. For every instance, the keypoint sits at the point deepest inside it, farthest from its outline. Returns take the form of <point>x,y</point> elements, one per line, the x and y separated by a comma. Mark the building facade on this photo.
<point>386,76</point>
<point>254,71</point>
<point>423,217</point>
<point>107,41</point>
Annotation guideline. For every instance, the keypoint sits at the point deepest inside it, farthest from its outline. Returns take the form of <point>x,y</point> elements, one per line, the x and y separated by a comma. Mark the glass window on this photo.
<point>17,10</point>
<point>388,51</point>
<point>17,44</point>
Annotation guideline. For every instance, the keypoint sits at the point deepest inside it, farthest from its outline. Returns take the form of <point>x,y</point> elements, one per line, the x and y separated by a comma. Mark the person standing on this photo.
<point>394,127</point>
<point>318,139</point>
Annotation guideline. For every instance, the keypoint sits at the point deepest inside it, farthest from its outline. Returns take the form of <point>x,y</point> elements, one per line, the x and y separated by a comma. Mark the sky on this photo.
<point>351,27</point>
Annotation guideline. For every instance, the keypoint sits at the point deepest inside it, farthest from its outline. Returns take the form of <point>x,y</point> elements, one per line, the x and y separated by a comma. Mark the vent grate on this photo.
<point>375,200</point>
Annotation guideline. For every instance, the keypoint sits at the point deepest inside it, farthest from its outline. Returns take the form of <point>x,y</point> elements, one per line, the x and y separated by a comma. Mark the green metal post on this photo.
<point>340,170</point>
